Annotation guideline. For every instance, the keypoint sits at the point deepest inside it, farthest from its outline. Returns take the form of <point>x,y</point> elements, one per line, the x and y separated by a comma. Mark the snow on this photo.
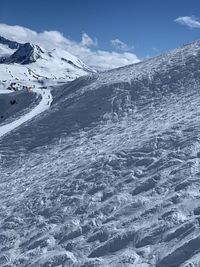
<point>4,91</point>
<point>51,67</point>
<point>109,176</point>
<point>41,107</point>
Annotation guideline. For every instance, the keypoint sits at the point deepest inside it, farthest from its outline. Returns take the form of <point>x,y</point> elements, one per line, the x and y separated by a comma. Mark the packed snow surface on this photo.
<point>41,107</point>
<point>109,174</point>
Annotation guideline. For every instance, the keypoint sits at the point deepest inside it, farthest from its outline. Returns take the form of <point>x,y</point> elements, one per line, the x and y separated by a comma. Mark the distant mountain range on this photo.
<point>29,63</point>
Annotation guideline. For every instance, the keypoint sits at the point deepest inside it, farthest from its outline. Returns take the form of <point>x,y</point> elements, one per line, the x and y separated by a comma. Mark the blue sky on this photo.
<point>142,27</point>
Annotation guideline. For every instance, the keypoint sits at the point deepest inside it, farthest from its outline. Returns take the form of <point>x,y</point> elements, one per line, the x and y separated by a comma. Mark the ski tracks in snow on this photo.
<point>41,107</point>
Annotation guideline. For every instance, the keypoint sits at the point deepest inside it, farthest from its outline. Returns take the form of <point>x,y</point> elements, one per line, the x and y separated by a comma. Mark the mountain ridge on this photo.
<point>30,65</point>
<point>9,43</point>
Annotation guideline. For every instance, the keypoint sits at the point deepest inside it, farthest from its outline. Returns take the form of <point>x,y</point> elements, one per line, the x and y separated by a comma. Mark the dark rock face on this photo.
<point>10,44</point>
<point>25,54</point>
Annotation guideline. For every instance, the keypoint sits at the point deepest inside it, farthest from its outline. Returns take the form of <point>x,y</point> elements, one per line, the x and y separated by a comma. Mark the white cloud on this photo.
<point>88,41</point>
<point>53,39</point>
<point>119,45</point>
<point>191,22</point>
<point>109,60</point>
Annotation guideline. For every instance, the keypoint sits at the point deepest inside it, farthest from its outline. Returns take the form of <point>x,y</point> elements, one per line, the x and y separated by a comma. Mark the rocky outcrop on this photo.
<point>25,54</point>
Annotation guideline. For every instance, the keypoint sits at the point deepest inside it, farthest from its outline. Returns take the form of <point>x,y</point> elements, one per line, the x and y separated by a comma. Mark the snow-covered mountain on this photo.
<point>26,54</point>
<point>28,64</point>
<point>109,174</point>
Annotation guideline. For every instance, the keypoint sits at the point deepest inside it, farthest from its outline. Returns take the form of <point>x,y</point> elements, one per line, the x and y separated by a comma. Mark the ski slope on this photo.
<point>5,91</point>
<point>110,175</point>
<point>41,107</point>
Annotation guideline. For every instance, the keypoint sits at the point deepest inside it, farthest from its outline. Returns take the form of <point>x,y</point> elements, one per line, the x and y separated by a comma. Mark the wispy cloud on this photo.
<point>119,45</point>
<point>88,41</point>
<point>192,22</point>
<point>86,49</point>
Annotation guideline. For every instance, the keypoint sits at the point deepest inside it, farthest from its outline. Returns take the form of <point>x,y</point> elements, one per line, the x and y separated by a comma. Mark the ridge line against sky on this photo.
<point>87,49</point>
<point>114,34</point>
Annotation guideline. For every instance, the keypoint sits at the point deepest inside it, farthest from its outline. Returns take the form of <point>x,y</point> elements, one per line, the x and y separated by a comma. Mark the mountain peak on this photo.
<point>30,63</point>
<point>26,54</point>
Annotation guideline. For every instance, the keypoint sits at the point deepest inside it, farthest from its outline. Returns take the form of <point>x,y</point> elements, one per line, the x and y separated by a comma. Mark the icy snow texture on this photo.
<point>109,175</point>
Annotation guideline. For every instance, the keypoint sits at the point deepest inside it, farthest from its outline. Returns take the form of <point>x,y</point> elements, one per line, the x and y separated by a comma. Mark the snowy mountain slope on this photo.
<point>109,175</point>
<point>14,105</point>
<point>28,64</point>
<point>45,103</point>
